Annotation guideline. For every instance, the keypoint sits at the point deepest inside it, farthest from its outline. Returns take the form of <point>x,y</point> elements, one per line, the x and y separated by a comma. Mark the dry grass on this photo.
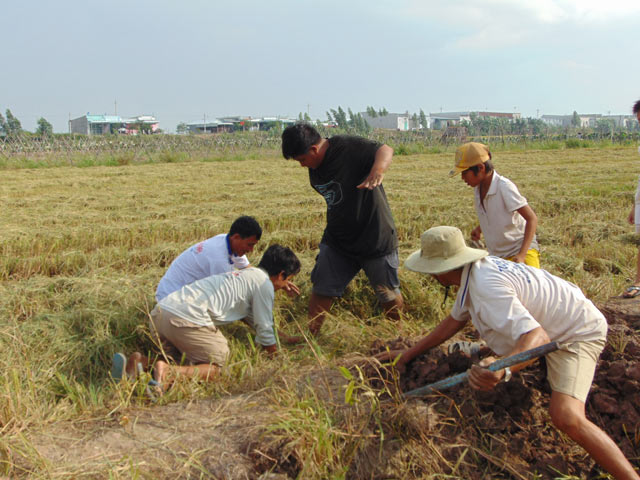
<point>83,248</point>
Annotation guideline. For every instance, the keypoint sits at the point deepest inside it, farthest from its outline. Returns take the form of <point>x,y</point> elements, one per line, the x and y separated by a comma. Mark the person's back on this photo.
<point>225,298</point>
<point>495,289</point>
<point>219,254</point>
<point>201,260</point>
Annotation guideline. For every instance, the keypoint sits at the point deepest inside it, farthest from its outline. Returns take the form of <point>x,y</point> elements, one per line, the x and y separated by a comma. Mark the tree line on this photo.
<point>10,126</point>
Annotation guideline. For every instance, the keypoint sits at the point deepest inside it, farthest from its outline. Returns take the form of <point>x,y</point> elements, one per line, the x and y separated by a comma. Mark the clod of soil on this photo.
<point>512,421</point>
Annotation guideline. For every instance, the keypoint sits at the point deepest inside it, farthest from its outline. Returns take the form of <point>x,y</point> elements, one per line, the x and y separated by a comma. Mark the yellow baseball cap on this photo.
<point>468,155</point>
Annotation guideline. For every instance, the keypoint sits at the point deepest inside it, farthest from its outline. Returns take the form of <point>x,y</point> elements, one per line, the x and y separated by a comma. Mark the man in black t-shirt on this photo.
<point>360,233</point>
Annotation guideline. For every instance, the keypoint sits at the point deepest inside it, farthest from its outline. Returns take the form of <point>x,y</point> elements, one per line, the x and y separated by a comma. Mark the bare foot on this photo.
<point>132,364</point>
<point>160,370</point>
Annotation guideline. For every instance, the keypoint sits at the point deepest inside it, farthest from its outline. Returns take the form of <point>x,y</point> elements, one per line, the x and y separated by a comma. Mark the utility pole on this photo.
<point>204,122</point>
<point>115,107</point>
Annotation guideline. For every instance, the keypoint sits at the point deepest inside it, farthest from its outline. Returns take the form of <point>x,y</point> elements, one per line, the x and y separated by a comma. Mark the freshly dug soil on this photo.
<point>510,426</point>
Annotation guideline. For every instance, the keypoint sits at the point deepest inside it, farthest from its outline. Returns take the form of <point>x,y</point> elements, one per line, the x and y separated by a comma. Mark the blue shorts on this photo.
<point>333,272</point>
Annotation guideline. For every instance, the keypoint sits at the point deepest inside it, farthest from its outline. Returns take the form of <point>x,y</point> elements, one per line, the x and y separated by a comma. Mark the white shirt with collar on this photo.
<point>502,225</point>
<point>210,257</point>
<point>505,300</point>
<point>226,298</point>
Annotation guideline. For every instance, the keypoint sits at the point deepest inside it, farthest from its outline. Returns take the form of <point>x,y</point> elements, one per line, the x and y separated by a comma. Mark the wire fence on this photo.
<point>28,150</point>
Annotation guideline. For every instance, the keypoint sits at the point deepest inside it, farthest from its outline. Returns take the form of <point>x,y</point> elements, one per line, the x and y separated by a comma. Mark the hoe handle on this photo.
<point>497,365</point>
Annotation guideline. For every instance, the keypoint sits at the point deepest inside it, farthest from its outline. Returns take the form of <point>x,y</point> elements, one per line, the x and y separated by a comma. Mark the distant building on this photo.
<point>557,120</point>
<point>621,121</point>
<point>96,124</point>
<point>265,123</point>
<point>140,124</point>
<point>584,120</point>
<point>211,126</point>
<point>442,120</point>
<point>229,124</point>
<point>110,124</point>
<point>390,121</point>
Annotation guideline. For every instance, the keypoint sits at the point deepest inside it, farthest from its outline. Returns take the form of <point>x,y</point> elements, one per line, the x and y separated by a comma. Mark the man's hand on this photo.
<point>519,258</point>
<point>291,289</point>
<point>373,180</point>
<point>482,379</point>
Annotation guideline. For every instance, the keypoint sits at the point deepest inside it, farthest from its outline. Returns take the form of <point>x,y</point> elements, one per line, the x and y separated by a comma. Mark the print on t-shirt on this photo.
<point>332,193</point>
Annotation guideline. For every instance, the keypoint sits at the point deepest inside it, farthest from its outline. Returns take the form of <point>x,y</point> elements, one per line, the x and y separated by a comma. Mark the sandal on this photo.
<point>118,366</point>
<point>631,291</point>
<point>470,348</point>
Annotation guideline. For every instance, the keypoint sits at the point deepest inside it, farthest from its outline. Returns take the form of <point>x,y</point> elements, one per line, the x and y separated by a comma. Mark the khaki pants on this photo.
<point>179,336</point>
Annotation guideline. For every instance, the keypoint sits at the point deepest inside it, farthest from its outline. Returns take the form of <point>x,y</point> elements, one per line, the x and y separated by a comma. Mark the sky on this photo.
<point>187,60</point>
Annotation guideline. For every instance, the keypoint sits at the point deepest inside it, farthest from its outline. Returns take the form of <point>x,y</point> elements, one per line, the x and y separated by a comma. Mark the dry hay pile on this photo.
<point>507,433</point>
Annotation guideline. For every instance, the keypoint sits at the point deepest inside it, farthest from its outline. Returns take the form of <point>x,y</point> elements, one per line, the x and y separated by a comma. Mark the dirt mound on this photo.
<point>510,426</point>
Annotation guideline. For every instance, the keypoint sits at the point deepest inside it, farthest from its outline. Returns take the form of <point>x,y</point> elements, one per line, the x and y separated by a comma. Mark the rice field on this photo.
<point>82,250</point>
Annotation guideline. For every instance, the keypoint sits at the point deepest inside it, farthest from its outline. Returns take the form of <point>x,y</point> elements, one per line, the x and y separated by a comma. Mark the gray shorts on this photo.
<point>333,272</point>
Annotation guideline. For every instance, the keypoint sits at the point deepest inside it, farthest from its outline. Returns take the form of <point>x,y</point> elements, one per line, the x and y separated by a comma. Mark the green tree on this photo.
<point>383,112</point>
<point>423,119</point>
<point>372,112</point>
<point>414,121</point>
<point>181,128</point>
<point>3,125</point>
<point>340,117</point>
<point>605,126</point>
<point>575,119</point>
<point>14,127</point>
<point>45,129</point>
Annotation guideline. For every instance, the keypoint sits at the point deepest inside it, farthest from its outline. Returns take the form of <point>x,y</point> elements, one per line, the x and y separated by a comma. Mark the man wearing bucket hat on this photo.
<point>506,219</point>
<point>515,308</point>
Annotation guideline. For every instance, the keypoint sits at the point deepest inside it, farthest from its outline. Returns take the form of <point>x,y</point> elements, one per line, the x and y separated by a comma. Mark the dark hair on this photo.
<point>278,259</point>
<point>246,227</point>
<point>488,167</point>
<point>297,139</point>
<point>636,107</point>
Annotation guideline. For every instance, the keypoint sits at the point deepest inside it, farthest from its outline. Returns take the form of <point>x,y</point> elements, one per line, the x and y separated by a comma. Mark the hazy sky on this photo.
<point>182,59</point>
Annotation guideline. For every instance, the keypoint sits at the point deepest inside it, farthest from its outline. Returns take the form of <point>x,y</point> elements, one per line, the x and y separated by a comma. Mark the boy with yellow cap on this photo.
<point>506,219</point>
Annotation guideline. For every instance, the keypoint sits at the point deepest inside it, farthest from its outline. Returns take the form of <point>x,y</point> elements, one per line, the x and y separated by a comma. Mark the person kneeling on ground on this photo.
<point>187,321</point>
<point>223,253</point>
<point>515,308</point>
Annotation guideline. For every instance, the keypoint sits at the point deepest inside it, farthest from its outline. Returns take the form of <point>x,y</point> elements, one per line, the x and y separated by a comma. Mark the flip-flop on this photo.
<point>631,291</point>
<point>118,366</point>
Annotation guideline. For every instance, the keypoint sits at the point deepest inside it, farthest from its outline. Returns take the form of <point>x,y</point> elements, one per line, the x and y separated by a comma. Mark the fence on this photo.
<point>29,150</point>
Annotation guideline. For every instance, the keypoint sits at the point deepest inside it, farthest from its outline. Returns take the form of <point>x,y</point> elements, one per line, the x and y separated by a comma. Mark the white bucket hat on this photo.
<point>443,249</point>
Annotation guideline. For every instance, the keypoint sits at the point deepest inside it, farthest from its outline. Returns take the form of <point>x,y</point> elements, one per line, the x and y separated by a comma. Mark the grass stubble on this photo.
<point>82,250</point>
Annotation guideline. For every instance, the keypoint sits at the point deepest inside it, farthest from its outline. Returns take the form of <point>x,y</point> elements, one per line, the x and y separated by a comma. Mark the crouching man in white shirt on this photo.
<point>187,321</point>
<point>515,308</point>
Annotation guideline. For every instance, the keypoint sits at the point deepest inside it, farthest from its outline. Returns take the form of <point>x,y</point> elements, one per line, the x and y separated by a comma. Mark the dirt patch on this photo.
<point>222,438</point>
<point>510,426</point>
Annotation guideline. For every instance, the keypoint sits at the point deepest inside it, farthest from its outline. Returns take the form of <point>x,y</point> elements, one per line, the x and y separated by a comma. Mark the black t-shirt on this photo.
<point>359,221</point>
